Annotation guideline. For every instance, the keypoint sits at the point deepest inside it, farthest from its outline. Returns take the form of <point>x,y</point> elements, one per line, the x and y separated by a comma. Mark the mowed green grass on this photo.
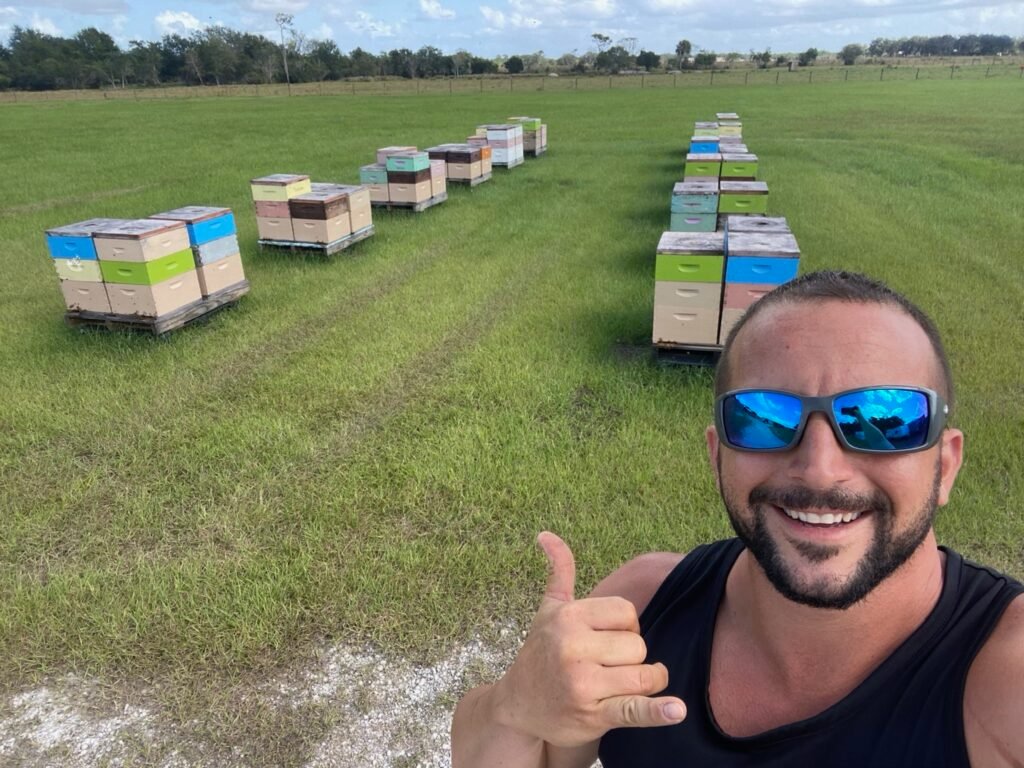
<point>365,449</point>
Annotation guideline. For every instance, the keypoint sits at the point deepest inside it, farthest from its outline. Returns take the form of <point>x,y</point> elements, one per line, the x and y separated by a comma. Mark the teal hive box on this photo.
<point>693,222</point>
<point>408,161</point>
<point>376,173</point>
<point>694,197</point>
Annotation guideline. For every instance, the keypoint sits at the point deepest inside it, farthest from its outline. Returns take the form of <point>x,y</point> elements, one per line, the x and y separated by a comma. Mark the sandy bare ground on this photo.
<point>383,713</point>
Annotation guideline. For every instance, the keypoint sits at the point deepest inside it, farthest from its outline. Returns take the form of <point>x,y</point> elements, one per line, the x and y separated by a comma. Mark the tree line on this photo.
<point>33,60</point>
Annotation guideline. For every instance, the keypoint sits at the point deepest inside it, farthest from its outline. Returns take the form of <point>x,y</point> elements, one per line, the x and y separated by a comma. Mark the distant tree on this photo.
<point>363,63</point>
<point>284,21</point>
<point>732,57</point>
<point>808,57</point>
<point>614,60</point>
<point>705,60</point>
<point>762,59</point>
<point>514,65</point>
<point>460,62</point>
<point>850,53</point>
<point>683,48</point>
<point>781,60</point>
<point>601,41</point>
<point>146,61</point>
<point>324,60</point>
<point>479,66</point>
<point>648,60</point>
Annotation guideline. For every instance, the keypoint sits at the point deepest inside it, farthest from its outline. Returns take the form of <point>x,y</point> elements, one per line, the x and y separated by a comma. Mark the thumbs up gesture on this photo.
<point>581,671</point>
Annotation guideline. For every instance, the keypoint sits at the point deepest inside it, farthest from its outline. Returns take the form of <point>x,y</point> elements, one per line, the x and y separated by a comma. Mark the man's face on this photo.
<point>825,524</point>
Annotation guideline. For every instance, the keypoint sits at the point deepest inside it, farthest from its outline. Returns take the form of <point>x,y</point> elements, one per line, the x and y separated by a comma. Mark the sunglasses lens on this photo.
<point>760,421</point>
<point>883,419</point>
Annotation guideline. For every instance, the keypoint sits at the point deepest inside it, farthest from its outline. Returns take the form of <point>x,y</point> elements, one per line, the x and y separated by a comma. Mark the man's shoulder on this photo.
<point>638,579</point>
<point>994,696</point>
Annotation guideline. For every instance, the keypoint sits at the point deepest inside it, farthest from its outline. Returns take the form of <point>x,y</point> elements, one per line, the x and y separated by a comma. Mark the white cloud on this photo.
<point>366,24</point>
<point>177,23</point>
<point>323,32</point>
<point>118,23</point>
<point>500,20</point>
<point>44,25</point>
<point>277,6</point>
<point>432,9</point>
<point>8,11</point>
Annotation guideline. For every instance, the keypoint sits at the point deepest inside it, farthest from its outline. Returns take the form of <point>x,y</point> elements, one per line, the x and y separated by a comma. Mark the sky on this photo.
<point>505,27</point>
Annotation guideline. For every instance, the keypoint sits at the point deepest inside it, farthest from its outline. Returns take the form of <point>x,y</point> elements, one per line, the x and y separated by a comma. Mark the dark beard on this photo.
<point>885,555</point>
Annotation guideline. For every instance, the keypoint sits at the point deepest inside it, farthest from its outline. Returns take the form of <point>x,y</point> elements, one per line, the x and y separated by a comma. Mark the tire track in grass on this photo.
<point>34,468</point>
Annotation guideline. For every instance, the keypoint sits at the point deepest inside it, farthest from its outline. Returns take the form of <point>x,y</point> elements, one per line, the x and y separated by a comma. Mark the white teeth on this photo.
<point>827,518</point>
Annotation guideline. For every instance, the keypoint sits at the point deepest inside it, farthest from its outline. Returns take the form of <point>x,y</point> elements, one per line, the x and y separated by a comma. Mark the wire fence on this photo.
<point>536,83</point>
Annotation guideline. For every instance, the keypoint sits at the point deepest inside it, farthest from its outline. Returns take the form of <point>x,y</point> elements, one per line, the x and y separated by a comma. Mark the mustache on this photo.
<point>801,497</point>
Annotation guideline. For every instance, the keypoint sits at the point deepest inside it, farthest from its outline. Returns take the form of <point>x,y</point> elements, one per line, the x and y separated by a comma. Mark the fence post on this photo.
<point>575,83</point>
<point>987,71</point>
<point>712,77</point>
<point>746,75</point>
<point>951,71</point>
<point>847,76</point>
<point>674,80</point>
<point>777,77</point>
<point>810,75</point>
<point>481,85</point>
<point>642,81</point>
<point>609,82</point>
<point>917,74</point>
<point>353,87</point>
<point>510,83</point>
<point>449,86</point>
<point>881,75</point>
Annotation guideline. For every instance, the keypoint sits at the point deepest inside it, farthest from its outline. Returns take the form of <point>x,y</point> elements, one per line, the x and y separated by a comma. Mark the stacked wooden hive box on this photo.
<point>535,135</point>
<point>505,141</point>
<point>147,268</point>
<point>722,252</point>
<point>404,176</point>
<point>462,163</point>
<point>292,210</point>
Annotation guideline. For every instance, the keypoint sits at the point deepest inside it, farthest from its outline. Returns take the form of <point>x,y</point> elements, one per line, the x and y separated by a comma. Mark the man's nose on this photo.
<point>819,460</point>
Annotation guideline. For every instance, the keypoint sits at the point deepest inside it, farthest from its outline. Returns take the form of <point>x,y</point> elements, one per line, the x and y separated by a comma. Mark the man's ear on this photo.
<point>951,457</point>
<point>711,437</point>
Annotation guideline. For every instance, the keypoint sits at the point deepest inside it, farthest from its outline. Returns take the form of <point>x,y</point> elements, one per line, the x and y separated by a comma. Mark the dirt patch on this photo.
<point>373,711</point>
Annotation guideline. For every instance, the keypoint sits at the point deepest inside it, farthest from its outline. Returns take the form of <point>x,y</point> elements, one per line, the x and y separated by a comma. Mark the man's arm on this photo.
<point>580,673</point>
<point>994,695</point>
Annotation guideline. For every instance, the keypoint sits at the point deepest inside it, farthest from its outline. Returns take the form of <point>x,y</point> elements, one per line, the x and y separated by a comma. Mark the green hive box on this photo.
<point>743,197</point>
<point>696,257</point>
<point>739,166</point>
<point>148,272</point>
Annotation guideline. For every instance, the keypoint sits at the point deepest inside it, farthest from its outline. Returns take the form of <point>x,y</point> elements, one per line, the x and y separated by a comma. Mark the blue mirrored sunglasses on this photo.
<point>873,419</point>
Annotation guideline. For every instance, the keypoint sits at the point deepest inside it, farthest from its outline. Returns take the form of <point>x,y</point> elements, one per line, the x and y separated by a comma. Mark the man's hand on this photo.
<point>581,671</point>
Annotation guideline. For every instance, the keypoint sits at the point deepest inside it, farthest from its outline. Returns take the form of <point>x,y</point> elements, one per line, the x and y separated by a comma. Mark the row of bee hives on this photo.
<point>722,251</point>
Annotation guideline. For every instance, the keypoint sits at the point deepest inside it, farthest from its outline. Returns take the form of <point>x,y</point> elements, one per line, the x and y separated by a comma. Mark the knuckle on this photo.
<point>630,711</point>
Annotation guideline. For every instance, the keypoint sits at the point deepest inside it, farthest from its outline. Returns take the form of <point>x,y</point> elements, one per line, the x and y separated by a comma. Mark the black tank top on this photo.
<point>908,712</point>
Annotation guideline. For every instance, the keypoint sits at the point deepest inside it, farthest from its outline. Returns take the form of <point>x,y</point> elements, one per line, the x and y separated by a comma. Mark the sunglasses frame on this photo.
<point>938,411</point>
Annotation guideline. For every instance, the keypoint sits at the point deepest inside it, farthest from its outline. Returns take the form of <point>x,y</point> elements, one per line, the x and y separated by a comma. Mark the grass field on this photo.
<point>366,447</point>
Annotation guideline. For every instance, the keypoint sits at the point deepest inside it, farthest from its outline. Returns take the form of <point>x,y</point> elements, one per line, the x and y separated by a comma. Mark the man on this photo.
<point>833,631</point>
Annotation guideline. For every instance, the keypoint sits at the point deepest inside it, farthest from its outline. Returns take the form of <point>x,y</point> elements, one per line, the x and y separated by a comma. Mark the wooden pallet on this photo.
<point>414,207</point>
<point>535,152</point>
<point>190,314</point>
<point>325,248</point>
<point>512,164</point>
<point>687,354</point>
<point>471,182</point>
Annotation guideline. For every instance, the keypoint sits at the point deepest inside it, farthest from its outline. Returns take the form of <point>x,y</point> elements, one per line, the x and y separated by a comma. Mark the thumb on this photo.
<point>642,711</point>
<point>561,568</point>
